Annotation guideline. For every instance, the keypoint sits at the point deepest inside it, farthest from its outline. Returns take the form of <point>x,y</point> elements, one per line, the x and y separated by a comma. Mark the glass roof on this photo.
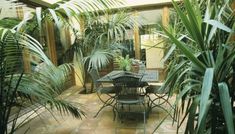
<point>128,2</point>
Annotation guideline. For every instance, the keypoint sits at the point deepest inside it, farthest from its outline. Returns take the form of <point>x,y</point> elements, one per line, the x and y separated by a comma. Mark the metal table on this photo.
<point>147,76</point>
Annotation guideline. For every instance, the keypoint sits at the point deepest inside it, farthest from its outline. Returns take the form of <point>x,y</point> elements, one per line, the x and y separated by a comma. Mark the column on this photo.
<point>165,23</point>
<point>50,41</point>
<point>137,39</point>
<point>78,72</point>
<point>165,16</point>
<point>26,55</point>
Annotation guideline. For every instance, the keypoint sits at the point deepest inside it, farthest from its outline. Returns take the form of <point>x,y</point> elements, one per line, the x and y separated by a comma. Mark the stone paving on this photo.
<point>45,123</point>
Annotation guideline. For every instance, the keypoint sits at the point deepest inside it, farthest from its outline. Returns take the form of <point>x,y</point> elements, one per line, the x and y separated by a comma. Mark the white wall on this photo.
<point>154,54</point>
<point>150,16</point>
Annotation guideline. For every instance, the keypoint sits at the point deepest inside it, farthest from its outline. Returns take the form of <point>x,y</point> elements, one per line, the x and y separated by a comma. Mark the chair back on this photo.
<point>126,84</point>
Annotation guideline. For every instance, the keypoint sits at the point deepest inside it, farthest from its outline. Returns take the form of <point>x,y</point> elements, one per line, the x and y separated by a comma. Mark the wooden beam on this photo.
<point>50,41</point>
<point>35,3</point>
<point>137,39</point>
<point>151,6</point>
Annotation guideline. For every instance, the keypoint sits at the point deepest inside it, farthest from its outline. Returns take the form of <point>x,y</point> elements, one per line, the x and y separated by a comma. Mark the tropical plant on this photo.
<point>102,36</point>
<point>124,63</point>
<point>202,74</point>
<point>9,22</point>
<point>19,89</point>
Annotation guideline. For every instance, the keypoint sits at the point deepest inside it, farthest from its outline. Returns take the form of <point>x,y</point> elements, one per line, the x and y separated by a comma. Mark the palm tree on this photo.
<point>202,73</point>
<point>19,88</point>
<point>102,37</point>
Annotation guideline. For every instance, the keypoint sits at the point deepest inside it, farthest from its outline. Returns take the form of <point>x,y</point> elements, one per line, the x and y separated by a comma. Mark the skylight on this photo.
<point>128,2</point>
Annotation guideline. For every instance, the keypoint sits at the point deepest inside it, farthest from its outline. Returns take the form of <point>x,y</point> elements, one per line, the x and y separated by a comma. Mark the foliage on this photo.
<point>19,88</point>
<point>9,22</point>
<point>203,72</point>
<point>96,28</point>
<point>124,63</point>
<point>101,37</point>
<point>43,87</point>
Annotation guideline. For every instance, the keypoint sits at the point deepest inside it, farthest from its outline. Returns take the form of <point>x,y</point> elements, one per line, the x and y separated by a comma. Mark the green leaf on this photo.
<point>55,17</point>
<point>219,25</point>
<point>185,50</point>
<point>39,17</point>
<point>172,49</point>
<point>191,24</point>
<point>192,113</point>
<point>205,94</point>
<point>225,100</point>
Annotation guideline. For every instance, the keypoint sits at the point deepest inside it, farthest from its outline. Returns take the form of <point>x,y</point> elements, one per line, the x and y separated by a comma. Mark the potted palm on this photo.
<point>124,63</point>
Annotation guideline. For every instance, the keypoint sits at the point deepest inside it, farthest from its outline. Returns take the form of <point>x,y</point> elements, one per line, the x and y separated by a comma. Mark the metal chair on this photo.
<point>129,100</point>
<point>161,97</point>
<point>106,94</point>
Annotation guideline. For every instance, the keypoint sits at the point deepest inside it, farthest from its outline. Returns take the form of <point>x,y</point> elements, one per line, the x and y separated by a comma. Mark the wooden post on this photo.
<point>20,12</point>
<point>78,74</point>
<point>165,16</point>
<point>26,59</point>
<point>165,23</point>
<point>26,55</point>
<point>50,39</point>
<point>137,39</point>
<point>68,42</point>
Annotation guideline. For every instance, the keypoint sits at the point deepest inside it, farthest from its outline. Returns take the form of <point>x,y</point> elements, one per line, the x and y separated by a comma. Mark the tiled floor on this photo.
<point>103,124</point>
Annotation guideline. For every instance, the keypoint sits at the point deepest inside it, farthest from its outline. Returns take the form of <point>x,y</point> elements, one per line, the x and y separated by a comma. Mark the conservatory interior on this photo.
<point>117,66</point>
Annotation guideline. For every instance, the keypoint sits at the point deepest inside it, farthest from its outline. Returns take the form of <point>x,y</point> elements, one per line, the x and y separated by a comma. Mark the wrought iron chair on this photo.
<point>161,97</point>
<point>129,100</point>
<point>106,94</point>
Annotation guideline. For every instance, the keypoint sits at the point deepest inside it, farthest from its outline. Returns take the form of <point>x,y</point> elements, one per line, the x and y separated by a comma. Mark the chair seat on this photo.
<point>130,99</point>
<point>106,90</point>
<point>143,84</point>
<point>155,89</point>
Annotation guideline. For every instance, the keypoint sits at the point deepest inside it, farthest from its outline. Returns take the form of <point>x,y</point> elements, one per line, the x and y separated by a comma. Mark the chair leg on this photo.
<point>115,111</point>
<point>144,123</point>
<point>108,102</point>
<point>153,103</point>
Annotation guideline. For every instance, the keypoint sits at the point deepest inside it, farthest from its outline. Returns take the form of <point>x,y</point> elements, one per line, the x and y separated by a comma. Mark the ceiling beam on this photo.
<point>151,6</point>
<point>36,3</point>
<point>43,4</point>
